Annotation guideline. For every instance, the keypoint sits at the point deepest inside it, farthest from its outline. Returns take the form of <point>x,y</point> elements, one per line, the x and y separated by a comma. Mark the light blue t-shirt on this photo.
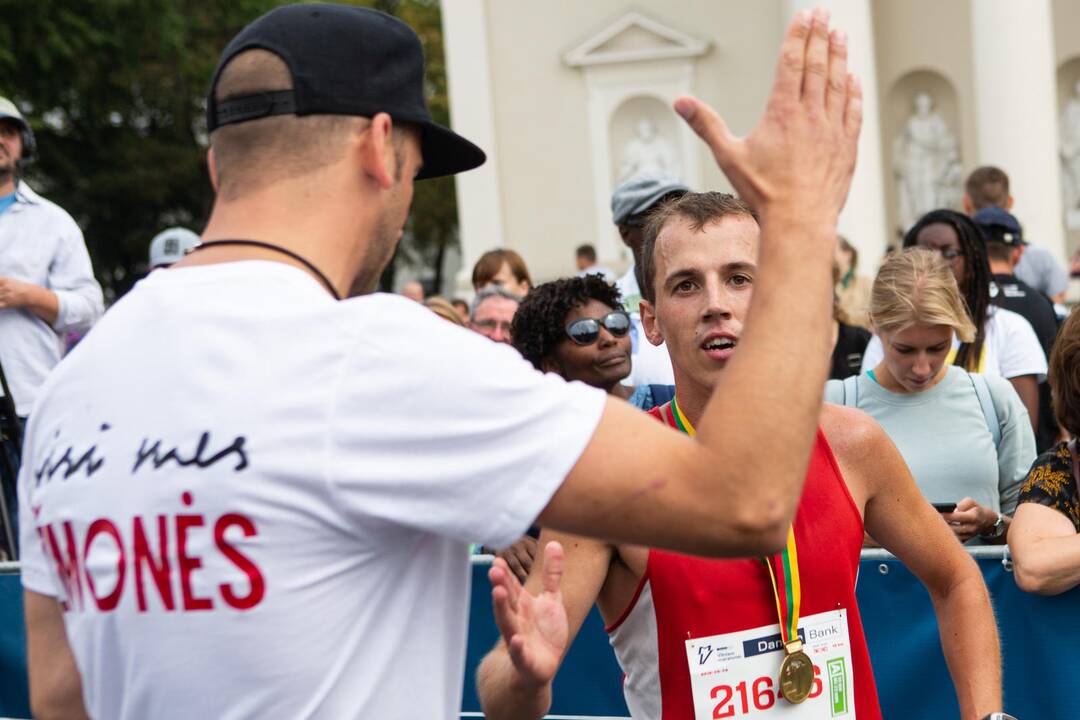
<point>6,201</point>
<point>943,436</point>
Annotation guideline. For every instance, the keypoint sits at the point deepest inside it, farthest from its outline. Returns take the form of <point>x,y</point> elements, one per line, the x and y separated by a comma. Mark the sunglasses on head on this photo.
<point>586,331</point>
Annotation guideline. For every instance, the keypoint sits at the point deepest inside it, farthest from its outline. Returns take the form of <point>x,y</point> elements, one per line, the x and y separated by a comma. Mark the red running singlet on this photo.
<point>696,597</point>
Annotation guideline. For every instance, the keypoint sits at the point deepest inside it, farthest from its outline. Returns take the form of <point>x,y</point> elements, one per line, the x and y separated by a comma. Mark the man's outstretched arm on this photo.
<point>906,524</point>
<point>55,686</point>
<point>538,623</point>
<point>639,483</point>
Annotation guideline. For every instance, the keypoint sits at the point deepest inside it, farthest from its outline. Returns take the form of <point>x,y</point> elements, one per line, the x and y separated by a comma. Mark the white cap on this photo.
<point>171,245</point>
<point>8,109</point>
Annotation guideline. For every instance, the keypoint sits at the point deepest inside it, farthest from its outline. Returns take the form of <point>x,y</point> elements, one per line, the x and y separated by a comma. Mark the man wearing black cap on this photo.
<point>266,511</point>
<point>1004,248</point>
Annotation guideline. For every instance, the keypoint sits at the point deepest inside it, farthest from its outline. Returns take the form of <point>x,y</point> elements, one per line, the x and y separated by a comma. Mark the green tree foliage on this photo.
<point>115,91</point>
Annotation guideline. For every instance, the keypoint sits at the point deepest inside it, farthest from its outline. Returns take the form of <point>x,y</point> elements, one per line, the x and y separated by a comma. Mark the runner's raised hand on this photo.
<point>535,629</point>
<point>800,158</point>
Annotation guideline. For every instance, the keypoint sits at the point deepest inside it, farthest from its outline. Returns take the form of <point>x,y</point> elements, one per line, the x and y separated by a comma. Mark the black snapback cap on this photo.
<point>344,61</point>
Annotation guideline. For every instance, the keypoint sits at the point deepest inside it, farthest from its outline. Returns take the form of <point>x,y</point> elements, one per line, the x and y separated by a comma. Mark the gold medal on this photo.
<point>796,674</point>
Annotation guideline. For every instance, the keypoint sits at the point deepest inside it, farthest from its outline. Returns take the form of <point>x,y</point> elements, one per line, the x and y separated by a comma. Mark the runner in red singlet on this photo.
<point>699,638</point>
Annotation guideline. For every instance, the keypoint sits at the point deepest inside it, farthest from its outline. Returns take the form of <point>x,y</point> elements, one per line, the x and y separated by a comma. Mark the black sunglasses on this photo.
<point>586,331</point>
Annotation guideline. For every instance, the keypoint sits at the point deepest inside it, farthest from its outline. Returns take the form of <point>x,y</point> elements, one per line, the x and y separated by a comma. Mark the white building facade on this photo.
<point>570,97</point>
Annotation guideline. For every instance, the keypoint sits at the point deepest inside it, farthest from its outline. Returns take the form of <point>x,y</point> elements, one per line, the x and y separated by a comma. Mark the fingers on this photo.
<point>708,125</point>
<point>964,533</point>
<point>836,86</point>
<point>516,566</point>
<point>854,113</point>
<point>963,516</point>
<point>816,71</point>
<point>789,70</point>
<point>505,617</point>
<point>553,567</point>
<point>499,576</point>
<point>966,504</point>
<point>522,657</point>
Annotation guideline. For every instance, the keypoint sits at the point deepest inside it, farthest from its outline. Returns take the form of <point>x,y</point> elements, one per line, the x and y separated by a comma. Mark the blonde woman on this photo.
<point>966,437</point>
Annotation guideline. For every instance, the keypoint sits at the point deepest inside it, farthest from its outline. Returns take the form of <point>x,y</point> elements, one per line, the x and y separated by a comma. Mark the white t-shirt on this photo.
<point>649,364</point>
<point>1011,349</point>
<point>261,499</point>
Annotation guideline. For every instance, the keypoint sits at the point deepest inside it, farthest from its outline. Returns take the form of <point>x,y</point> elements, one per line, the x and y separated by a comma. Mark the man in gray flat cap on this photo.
<point>631,204</point>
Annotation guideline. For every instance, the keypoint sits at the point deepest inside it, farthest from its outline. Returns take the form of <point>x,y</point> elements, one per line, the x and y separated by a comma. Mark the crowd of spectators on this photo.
<point>959,354</point>
<point>946,348</point>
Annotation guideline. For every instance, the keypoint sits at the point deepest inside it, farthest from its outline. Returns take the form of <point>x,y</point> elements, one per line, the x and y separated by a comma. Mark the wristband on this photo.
<point>996,529</point>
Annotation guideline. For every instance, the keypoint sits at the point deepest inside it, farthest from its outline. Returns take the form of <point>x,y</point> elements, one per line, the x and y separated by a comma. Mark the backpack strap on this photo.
<point>851,391</point>
<point>986,402</point>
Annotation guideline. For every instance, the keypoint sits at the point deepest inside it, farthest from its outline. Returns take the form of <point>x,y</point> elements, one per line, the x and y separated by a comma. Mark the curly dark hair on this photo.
<point>976,286</point>
<point>539,323</point>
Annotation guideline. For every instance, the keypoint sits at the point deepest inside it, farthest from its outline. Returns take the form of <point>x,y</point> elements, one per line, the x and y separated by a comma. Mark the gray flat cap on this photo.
<point>641,192</point>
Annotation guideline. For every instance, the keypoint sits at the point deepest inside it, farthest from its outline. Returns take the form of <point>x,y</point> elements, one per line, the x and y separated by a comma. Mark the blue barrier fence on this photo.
<point>1039,636</point>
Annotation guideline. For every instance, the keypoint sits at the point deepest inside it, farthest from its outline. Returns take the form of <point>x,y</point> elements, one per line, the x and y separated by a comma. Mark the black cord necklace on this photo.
<point>284,251</point>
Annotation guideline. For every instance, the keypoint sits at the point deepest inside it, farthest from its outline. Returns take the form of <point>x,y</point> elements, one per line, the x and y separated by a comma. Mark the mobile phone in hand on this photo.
<point>945,507</point>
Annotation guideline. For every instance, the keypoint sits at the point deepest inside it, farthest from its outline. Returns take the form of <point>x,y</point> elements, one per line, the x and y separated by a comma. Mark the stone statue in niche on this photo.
<point>647,151</point>
<point>926,163</point>
<point>1070,157</point>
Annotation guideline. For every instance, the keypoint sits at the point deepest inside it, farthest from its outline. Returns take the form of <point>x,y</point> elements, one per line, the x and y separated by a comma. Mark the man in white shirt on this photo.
<point>47,286</point>
<point>631,204</point>
<point>266,512</point>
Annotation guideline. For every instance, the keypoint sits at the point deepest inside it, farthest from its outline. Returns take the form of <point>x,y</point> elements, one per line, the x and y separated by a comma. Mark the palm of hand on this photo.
<point>543,633</point>
<point>534,627</point>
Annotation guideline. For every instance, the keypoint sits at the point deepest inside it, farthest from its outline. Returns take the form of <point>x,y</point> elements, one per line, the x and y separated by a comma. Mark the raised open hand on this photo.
<point>800,158</point>
<point>534,628</point>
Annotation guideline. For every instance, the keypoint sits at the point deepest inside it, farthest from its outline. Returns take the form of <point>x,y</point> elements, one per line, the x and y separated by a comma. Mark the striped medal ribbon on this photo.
<point>796,669</point>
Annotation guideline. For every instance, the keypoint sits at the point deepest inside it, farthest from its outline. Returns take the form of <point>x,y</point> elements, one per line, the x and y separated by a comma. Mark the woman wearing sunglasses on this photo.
<point>577,327</point>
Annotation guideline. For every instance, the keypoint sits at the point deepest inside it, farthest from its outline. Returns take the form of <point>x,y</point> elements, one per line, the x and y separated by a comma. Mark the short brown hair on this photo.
<point>999,251</point>
<point>256,153</point>
<point>700,209</point>
<point>987,186</point>
<point>1065,375</point>
<point>489,264</point>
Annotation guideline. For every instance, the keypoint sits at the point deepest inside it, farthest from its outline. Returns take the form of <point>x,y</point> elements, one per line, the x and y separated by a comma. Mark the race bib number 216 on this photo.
<point>736,675</point>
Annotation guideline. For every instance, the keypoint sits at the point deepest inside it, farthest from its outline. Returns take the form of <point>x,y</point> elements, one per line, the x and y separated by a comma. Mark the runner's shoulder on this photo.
<point>850,431</point>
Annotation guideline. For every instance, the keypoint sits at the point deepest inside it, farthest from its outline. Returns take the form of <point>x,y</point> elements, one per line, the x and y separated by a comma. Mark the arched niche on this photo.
<point>896,111</point>
<point>1068,97</point>
<point>643,135</point>
<point>634,68</point>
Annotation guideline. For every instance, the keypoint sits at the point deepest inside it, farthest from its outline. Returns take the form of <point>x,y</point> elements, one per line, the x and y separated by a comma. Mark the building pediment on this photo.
<point>635,37</point>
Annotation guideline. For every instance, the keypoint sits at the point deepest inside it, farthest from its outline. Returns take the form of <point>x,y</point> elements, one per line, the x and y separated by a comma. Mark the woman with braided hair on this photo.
<point>1005,344</point>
